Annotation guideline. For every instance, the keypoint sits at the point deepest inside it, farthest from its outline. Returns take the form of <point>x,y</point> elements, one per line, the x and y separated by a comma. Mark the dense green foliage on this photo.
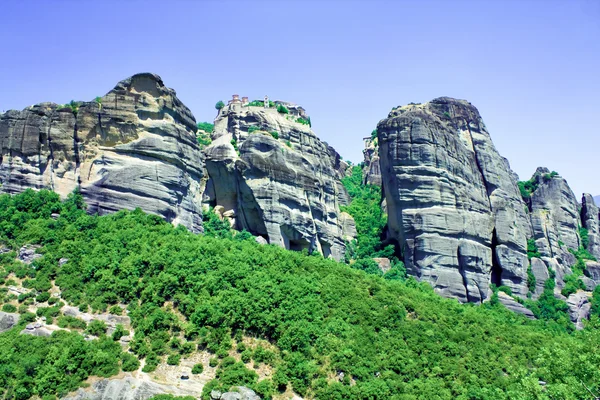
<point>40,366</point>
<point>303,121</point>
<point>281,109</point>
<point>206,127</point>
<point>392,339</point>
<point>527,188</point>
<point>275,134</point>
<point>365,208</point>
<point>219,105</point>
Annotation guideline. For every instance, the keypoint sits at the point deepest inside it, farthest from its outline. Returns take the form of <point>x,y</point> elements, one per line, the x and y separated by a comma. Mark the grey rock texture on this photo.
<point>590,219</point>
<point>452,200</point>
<point>127,388</point>
<point>136,148</point>
<point>579,308</point>
<point>285,189</point>
<point>240,393</point>
<point>540,271</point>
<point>514,306</point>
<point>372,167</point>
<point>28,253</point>
<point>555,219</point>
<point>8,320</point>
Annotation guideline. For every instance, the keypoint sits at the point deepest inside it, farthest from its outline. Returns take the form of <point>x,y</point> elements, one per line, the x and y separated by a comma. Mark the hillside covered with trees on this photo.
<point>334,332</point>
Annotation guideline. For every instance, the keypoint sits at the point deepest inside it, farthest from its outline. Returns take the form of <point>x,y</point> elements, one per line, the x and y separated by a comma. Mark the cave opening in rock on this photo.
<point>496,277</point>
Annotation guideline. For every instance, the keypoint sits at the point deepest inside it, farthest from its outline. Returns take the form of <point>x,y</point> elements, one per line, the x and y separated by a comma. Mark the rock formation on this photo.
<point>130,388</point>
<point>453,202</point>
<point>590,217</point>
<point>270,174</point>
<point>554,219</point>
<point>371,168</point>
<point>134,147</point>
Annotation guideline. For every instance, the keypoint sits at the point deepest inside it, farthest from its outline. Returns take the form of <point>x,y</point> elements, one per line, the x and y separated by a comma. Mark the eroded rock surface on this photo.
<point>128,388</point>
<point>590,216</point>
<point>452,200</point>
<point>555,219</point>
<point>514,306</point>
<point>271,175</point>
<point>579,308</point>
<point>372,168</point>
<point>134,147</point>
<point>8,320</point>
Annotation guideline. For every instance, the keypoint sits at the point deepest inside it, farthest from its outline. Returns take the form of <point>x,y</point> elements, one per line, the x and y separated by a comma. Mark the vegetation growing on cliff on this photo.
<point>391,339</point>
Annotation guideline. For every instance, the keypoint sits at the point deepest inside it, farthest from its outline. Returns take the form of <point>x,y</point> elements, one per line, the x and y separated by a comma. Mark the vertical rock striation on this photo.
<point>453,202</point>
<point>134,147</point>
<point>270,174</point>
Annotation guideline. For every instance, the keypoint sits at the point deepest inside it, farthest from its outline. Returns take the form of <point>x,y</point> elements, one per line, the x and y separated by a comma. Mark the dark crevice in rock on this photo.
<point>496,276</point>
<point>463,273</point>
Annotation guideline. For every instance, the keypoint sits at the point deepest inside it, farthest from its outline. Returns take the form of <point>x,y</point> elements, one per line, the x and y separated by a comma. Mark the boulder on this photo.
<point>135,147</point>
<point>28,253</point>
<point>579,308</point>
<point>272,176</point>
<point>8,320</point>
<point>453,203</point>
<point>384,264</point>
<point>514,306</point>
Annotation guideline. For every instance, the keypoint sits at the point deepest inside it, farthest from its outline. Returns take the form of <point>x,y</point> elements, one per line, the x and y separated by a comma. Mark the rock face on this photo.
<point>555,219</point>
<point>270,174</point>
<point>590,216</point>
<point>514,306</point>
<point>579,308</point>
<point>127,388</point>
<point>372,168</point>
<point>453,202</point>
<point>134,147</point>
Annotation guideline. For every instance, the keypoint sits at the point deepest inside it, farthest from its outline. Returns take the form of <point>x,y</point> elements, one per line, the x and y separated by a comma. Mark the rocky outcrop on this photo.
<point>270,174</point>
<point>134,147</point>
<point>579,308</point>
<point>8,320</point>
<point>555,219</point>
<point>453,202</point>
<point>541,274</point>
<point>128,388</point>
<point>514,306</point>
<point>590,216</point>
<point>371,168</point>
<point>240,393</point>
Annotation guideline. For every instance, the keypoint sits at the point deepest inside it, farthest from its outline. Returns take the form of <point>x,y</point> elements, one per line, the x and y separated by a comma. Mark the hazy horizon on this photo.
<point>530,67</point>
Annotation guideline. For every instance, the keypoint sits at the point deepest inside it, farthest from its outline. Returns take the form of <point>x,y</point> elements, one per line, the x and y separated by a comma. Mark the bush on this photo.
<point>246,356</point>
<point>197,369</point>
<point>219,105</point>
<point>275,134</point>
<point>173,359</point>
<point>129,362</point>
<point>115,310</point>
<point>96,328</point>
<point>9,308</point>
<point>282,109</point>
<point>253,128</point>
<point>42,297</point>
<point>532,249</point>
<point>213,362</point>
<point>119,332</point>
<point>302,121</point>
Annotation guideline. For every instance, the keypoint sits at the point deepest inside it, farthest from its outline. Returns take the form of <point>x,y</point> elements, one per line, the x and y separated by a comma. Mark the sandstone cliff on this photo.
<point>453,202</point>
<point>371,168</point>
<point>134,147</point>
<point>270,174</point>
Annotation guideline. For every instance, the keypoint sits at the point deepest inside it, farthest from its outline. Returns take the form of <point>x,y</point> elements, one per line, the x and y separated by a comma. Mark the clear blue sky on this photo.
<point>531,67</point>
